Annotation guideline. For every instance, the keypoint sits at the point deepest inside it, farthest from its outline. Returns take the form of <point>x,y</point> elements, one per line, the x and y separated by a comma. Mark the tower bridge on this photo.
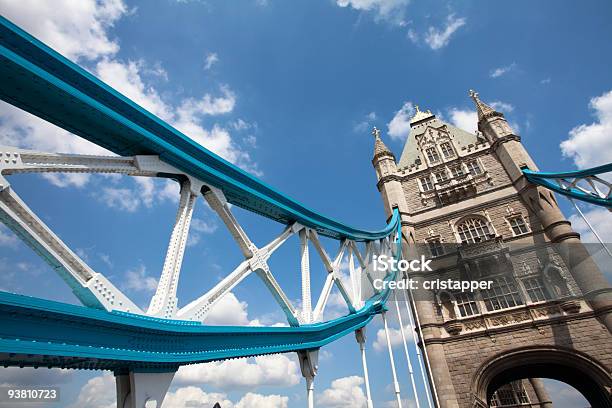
<point>476,203</point>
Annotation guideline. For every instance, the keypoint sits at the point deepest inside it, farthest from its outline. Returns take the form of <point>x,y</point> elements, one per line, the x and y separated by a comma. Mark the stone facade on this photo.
<point>464,202</point>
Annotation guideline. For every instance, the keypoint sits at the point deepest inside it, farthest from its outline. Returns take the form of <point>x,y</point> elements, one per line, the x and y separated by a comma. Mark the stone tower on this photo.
<point>548,311</point>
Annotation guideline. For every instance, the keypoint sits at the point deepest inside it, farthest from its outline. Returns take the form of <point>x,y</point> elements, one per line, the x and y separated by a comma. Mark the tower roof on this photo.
<point>483,110</point>
<point>380,147</point>
<point>420,116</point>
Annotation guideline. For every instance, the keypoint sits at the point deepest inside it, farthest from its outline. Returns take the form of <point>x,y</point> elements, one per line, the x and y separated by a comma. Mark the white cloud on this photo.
<point>208,105</point>
<point>366,123</point>
<point>8,238</point>
<point>599,218</point>
<point>136,279</point>
<point>395,336</point>
<point>197,228</point>
<point>77,29</point>
<point>389,10</point>
<point>211,59</point>
<point>16,376</point>
<point>202,226</point>
<point>119,198</point>
<point>399,126</point>
<point>344,392</point>
<point>336,305</point>
<point>21,129</point>
<point>413,36</point>
<point>589,145</point>
<point>98,392</point>
<point>146,191</point>
<point>228,311</point>
<point>81,30</point>
<point>195,397</point>
<point>438,38</point>
<point>545,81</point>
<point>251,400</point>
<point>502,106</point>
<point>499,71</point>
<point>191,397</point>
<point>127,79</point>
<point>408,403</point>
<point>465,119</point>
<point>157,70</point>
<point>272,370</point>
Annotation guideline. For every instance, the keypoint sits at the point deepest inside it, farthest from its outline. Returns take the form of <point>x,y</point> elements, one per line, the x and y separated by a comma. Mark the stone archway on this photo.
<point>577,369</point>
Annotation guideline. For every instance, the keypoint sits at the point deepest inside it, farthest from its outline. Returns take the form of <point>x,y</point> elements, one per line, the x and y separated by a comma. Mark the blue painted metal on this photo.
<point>39,332</point>
<point>550,181</point>
<point>43,333</point>
<point>41,81</point>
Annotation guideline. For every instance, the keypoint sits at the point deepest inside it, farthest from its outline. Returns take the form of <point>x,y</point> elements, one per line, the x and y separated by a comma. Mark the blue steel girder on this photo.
<point>41,81</point>
<point>584,185</point>
<point>39,332</point>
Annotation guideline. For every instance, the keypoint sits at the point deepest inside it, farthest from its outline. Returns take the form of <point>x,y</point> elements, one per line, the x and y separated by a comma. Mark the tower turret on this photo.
<point>514,158</point>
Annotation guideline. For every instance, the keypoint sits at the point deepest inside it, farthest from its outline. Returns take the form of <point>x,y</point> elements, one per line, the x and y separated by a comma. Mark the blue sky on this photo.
<point>290,91</point>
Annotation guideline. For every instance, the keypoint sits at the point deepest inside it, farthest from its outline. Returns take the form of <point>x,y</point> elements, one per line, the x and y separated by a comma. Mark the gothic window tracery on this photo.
<point>510,395</point>
<point>518,225</point>
<point>504,293</point>
<point>432,155</point>
<point>426,183</point>
<point>441,176</point>
<point>457,171</point>
<point>474,168</point>
<point>447,150</point>
<point>534,286</point>
<point>466,304</point>
<point>472,230</point>
<point>435,247</point>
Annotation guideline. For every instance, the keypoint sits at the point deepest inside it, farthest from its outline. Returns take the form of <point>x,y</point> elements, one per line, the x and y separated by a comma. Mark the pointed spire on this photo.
<point>484,110</point>
<point>379,146</point>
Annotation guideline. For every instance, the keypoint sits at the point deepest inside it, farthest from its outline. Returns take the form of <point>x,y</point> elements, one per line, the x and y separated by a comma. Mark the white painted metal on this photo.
<point>416,346</point>
<point>320,307</point>
<point>217,202</point>
<point>13,161</point>
<point>199,308</point>
<point>305,267</point>
<point>333,269</point>
<point>256,258</point>
<point>361,339</point>
<point>310,392</point>
<point>309,365</point>
<point>355,281</point>
<point>90,287</point>
<point>165,303</point>
<point>410,371</point>
<point>396,387</point>
<point>415,315</point>
<point>591,227</point>
<point>142,390</point>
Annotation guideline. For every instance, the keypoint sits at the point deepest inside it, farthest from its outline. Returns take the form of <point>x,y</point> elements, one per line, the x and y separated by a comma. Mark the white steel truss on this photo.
<point>94,289</point>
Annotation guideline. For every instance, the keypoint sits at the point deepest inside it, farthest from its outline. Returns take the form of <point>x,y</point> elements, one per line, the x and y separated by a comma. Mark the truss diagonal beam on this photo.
<point>592,191</point>
<point>90,287</point>
<point>256,258</point>
<point>165,303</point>
<point>199,308</point>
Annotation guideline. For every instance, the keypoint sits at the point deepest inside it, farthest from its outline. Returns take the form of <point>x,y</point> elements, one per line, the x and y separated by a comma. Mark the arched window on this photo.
<point>473,230</point>
<point>447,150</point>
